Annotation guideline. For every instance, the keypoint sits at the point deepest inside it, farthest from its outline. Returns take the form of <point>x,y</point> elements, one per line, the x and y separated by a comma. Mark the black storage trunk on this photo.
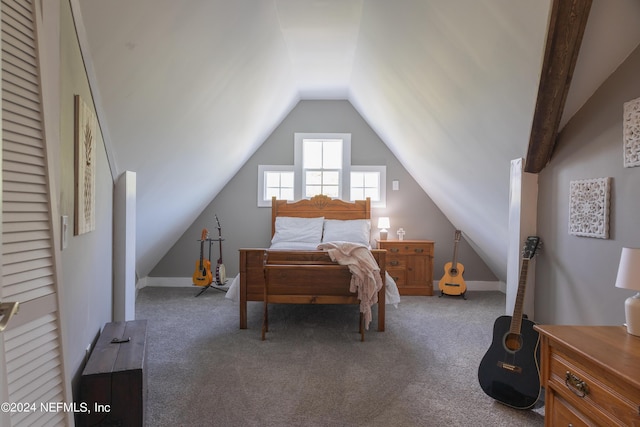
<point>113,384</point>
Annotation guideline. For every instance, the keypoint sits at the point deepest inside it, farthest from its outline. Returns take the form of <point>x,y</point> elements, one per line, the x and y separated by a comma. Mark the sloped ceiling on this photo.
<point>187,90</point>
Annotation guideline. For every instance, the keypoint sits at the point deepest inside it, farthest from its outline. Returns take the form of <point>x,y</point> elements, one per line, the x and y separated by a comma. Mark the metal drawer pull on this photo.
<point>394,250</point>
<point>576,385</point>
<point>394,262</point>
<point>419,250</point>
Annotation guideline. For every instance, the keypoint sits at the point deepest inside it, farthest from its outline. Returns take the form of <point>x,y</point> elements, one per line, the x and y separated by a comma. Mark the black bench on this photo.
<point>113,383</point>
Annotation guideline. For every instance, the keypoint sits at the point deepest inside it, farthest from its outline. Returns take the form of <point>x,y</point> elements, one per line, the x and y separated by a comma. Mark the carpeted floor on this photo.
<point>202,370</point>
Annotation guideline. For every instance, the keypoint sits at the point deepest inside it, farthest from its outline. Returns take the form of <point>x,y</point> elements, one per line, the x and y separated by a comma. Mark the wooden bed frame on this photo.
<point>330,287</point>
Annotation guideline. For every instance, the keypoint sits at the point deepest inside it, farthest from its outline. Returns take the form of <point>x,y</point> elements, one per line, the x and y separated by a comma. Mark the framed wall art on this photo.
<point>589,207</point>
<point>631,133</point>
<point>85,167</point>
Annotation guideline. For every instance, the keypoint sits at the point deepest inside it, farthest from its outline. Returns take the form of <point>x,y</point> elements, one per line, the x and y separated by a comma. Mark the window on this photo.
<point>275,181</point>
<point>322,165</point>
<point>369,181</point>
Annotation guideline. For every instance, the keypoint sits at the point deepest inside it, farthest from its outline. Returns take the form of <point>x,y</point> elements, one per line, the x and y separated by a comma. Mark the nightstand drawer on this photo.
<point>398,276</point>
<point>407,249</point>
<point>573,378</point>
<point>396,262</point>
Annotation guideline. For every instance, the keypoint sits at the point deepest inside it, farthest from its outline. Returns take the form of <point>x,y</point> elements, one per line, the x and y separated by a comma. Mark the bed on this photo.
<point>317,288</point>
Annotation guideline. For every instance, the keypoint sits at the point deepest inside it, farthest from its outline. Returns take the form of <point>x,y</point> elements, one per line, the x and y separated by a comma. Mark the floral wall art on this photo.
<point>85,164</point>
<point>631,133</point>
<point>589,207</point>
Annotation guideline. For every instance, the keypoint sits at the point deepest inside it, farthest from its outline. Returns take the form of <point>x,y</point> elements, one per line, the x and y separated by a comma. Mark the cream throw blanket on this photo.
<point>365,273</point>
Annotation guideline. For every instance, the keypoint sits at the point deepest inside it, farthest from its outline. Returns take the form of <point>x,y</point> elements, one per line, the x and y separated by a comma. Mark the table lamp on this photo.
<point>629,278</point>
<point>383,224</point>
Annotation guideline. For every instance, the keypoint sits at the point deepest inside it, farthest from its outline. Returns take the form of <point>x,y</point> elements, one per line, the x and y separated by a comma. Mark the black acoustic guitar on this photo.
<point>510,371</point>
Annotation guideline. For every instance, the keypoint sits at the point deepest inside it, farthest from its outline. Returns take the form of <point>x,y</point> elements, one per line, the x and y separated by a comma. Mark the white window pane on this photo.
<point>312,154</point>
<point>371,179</point>
<point>287,179</point>
<point>332,154</point>
<point>312,190</point>
<point>286,194</point>
<point>372,193</point>
<point>331,177</point>
<point>313,177</point>
<point>272,192</point>
<point>357,179</point>
<point>272,179</point>
<point>331,191</point>
<point>357,194</point>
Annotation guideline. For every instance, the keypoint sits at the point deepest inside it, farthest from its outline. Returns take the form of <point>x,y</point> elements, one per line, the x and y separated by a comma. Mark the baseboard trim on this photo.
<point>474,285</point>
<point>172,282</point>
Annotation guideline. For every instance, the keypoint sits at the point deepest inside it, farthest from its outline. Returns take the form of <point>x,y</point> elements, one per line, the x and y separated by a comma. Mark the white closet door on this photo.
<point>32,370</point>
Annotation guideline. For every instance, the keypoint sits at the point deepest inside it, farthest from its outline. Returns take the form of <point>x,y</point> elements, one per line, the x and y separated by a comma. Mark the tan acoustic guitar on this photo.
<point>202,276</point>
<point>452,282</point>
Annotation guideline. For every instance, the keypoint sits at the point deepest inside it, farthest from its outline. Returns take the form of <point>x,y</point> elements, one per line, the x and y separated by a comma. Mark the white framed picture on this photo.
<point>85,167</point>
<point>589,207</point>
<point>631,133</point>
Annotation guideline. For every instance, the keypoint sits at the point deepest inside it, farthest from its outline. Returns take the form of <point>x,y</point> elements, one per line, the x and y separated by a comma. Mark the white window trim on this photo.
<point>266,203</point>
<point>382,170</point>
<point>345,176</point>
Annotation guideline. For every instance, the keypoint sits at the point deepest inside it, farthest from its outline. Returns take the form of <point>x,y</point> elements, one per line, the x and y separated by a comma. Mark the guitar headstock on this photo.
<point>205,234</point>
<point>457,235</point>
<point>531,246</point>
<point>218,221</point>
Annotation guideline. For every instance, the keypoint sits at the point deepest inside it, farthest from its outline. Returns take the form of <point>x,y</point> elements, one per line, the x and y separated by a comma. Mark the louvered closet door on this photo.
<point>30,347</point>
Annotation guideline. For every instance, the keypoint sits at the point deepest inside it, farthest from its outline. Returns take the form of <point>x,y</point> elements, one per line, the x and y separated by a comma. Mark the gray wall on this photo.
<point>244,225</point>
<point>86,279</point>
<point>575,276</point>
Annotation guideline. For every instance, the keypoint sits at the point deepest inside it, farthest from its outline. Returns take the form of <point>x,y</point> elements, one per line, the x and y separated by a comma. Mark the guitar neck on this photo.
<point>454,261</point>
<point>516,320</point>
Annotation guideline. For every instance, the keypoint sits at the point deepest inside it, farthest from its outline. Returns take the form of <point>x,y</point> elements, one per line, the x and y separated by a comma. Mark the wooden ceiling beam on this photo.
<point>566,27</point>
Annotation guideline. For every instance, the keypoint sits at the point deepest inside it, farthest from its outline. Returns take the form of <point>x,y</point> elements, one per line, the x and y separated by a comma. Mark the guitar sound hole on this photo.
<point>513,342</point>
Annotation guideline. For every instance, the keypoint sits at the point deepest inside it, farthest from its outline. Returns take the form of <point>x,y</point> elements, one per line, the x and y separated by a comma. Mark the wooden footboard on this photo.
<point>317,285</point>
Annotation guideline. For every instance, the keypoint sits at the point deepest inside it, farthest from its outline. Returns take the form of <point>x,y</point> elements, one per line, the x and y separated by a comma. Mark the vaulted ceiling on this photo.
<point>187,90</point>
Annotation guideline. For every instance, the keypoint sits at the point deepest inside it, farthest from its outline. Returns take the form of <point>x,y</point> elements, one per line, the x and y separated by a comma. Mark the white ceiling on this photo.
<point>186,86</point>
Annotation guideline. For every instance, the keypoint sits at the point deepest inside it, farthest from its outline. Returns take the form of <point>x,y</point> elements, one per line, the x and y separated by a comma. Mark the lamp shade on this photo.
<point>383,222</point>
<point>629,269</point>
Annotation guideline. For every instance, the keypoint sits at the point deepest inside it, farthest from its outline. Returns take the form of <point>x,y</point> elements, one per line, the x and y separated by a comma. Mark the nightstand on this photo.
<point>591,375</point>
<point>410,264</point>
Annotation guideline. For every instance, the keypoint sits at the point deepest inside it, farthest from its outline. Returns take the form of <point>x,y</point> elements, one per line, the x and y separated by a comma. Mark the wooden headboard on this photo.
<point>320,206</point>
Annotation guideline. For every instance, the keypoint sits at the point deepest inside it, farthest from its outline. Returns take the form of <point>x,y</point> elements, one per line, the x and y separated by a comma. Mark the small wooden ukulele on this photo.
<point>221,276</point>
<point>510,371</point>
<point>203,276</point>
<point>452,282</point>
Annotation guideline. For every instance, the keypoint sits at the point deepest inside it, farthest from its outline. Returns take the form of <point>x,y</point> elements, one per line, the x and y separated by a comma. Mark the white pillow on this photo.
<point>292,229</point>
<point>352,230</point>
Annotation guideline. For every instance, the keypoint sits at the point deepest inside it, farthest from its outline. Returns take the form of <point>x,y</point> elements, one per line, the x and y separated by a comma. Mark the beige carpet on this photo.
<point>313,370</point>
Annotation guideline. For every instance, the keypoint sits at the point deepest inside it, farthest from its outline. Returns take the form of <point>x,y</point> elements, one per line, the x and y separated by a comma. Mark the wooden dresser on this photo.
<point>591,375</point>
<point>410,263</point>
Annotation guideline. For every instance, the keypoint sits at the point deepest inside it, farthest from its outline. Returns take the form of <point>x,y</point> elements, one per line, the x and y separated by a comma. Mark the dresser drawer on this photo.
<point>564,414</point>
<point>586,387</point>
